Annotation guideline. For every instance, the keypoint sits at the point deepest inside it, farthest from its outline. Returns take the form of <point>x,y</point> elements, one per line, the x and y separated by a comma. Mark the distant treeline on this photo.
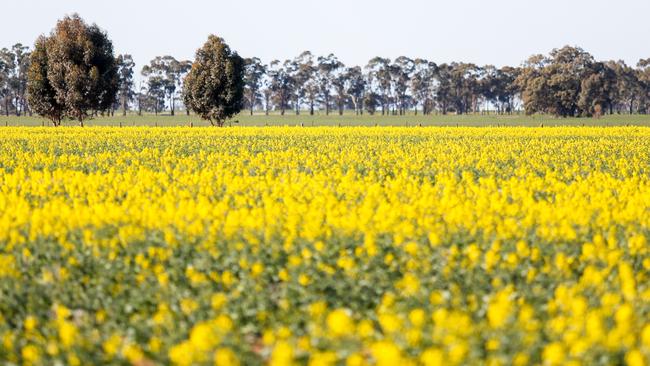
<point>566,82</point>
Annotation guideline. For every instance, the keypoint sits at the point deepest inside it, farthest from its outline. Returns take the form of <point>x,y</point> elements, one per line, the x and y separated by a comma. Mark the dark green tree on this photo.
<point>214,87</point>
<point>80,67</point>
<point>40,93</point>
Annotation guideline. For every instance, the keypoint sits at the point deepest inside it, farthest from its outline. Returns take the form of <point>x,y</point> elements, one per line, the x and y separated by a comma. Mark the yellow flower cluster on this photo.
<point>325,246</point>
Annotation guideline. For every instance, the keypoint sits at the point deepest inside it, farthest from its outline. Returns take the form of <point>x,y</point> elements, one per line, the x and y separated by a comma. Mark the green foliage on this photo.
<point>40,93</point>
<point>214,87</point>
<point>76,62</point>
<point>125,65</point>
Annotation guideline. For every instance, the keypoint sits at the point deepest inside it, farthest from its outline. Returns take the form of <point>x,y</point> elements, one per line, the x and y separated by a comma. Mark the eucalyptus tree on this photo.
<point>304,83</point>
<point>307,77</point>
<point>254,72</point>
<point>355,87</point>
<point>168,72</point>
<point>281,83</point>
<point>328,69</point>
<point>371,101</point>
<point>401,74</point>
<point>379,77</point>
<point>465,87</point>
<point>214,87</point>
<point>14,65</point>
<point>506,88</point>
<point>423,84</point>
<point>5,65</point>
<point>628,87</point>
<point>267,95</point>
<point>18,81</point>
<point>125,70</point>
<point>41,94</point>
<point>77,70</point>
<point>598,90</point>
<point>553,84</point>
<point>155,93</point>
<point>643,72</point>
<point>339,84</point>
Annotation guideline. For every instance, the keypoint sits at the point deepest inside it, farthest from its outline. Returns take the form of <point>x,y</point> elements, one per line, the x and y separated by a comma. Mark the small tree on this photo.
<point>214,87</point>
<point>76,61</point>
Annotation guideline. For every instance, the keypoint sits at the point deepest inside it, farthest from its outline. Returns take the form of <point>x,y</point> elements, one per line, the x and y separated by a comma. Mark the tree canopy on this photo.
<point>214,87</point>
<point>73,72</point>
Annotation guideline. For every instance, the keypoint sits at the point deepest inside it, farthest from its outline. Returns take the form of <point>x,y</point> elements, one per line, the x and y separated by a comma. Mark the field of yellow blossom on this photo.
<point>325,246</point>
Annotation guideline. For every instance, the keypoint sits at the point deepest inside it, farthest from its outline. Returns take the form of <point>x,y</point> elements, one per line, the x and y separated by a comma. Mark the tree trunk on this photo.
<point>327,105</point>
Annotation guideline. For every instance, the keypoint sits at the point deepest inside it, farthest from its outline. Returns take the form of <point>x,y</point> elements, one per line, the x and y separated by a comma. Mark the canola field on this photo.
<point>325,246</point>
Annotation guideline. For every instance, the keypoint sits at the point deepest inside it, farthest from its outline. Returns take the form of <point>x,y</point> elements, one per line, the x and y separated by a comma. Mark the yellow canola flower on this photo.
<point>356,246</point>
<point>340,323</point>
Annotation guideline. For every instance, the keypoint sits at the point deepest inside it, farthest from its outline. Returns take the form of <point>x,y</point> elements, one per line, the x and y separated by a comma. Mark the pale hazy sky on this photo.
<point>495,32</point>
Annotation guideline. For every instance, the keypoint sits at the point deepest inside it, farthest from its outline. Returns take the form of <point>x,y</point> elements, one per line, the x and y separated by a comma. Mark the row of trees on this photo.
<point>14,63</point>
<point>72,73</point>
<point>567,82</point>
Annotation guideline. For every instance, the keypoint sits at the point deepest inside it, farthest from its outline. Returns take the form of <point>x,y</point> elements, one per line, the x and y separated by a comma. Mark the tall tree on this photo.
<point>597,90</point>
<point>444,97</point>
<point>40,92</point>
<point>379,78</point>
<point>643,72</point>
<point>155,93</point>
<point>254,72</point>
<point>281,83</point>
<point>214,87</point>
<point>4,79</point>
<point>401,73</point>
<point>340,82</point>
<point>553,85</point>
<point>80,68</point>
<point>18,81</point>
<point>14,64</point>
<point>125,65</point>
<point>169,72</point>
<point>308,77</point>
<point>423,85</point>
<point>355,87</point>
<point>328,68</point>
<point>302,71</point>
<point>628,87</point>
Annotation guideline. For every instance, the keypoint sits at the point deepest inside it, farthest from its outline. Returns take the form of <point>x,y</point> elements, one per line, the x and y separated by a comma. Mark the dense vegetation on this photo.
<point>566,82</point>
<point>324,246</point>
